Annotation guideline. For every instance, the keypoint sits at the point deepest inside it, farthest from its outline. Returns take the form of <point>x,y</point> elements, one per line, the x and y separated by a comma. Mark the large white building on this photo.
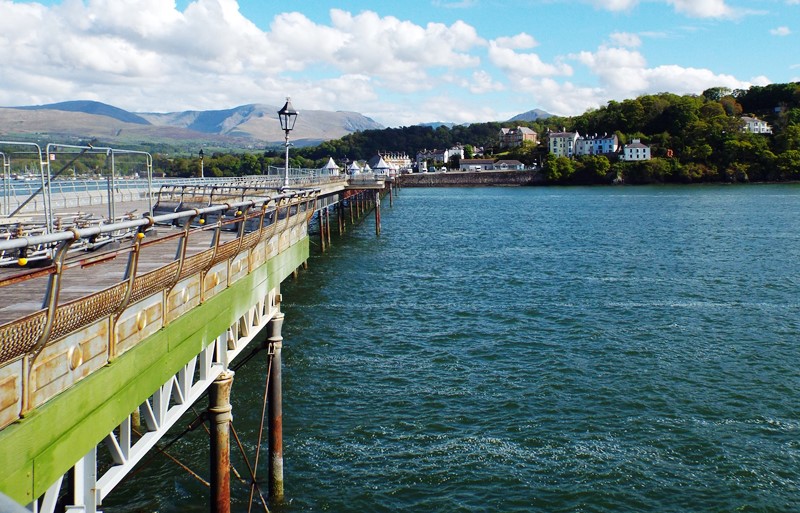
<point>755,126</point>
<point>635,151</point>
<point>562,144</point>
<point>397,160</point>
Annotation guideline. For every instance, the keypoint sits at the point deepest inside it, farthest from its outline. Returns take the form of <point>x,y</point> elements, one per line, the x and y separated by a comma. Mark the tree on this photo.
<point>591,169</point>
<point>731,106</point>
<point>788,164</point>
<point>715,94</point>
<point>789,139</point>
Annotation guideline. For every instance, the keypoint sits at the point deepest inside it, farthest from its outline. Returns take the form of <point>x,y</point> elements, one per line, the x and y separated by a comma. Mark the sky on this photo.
<point>400,63</point>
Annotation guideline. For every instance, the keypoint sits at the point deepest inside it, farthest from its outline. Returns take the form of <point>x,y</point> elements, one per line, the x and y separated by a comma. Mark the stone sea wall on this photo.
<point>471,179</point>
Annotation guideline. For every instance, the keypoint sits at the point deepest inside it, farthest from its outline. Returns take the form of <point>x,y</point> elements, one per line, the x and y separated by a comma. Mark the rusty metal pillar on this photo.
<point>340,217</point>
<point>275,409</point>
<point>377,212</point>
<point>219,413</point>
<point>322,228</point>
<point>350,204</point>
<point>328,223</point>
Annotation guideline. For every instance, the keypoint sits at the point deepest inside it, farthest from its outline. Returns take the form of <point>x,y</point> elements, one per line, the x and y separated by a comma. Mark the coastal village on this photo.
<point>559,144</point>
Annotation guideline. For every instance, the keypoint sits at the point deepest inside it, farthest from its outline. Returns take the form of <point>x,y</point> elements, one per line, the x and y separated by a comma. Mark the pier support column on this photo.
<point>328,223</point>
<point>275,410</point>
<point>391,196</point>
<point>377,212</point>
<point>350,208</point>
<point>340,217</point>
<point>322,228</point>
<point>84,484</point>
<point>219,412</point>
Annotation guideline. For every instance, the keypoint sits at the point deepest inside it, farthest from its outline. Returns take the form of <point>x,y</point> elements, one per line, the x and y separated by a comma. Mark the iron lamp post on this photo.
<point>287,116</point>
<point>201,163</point>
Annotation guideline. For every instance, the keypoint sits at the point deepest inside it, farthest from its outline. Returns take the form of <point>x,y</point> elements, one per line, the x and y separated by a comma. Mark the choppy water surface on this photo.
<point>542,349</point>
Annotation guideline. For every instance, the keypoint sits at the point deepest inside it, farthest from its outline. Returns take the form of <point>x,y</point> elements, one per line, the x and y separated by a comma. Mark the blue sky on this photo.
<point>400,63</point>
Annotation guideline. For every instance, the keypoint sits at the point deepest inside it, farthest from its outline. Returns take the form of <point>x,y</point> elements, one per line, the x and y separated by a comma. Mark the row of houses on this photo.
<point>572,144</point>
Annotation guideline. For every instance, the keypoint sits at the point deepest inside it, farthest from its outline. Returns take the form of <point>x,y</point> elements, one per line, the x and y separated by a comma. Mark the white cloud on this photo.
<point>482,82</point>
<point>523,64</point>
<point>462,4</point>
<point>623,73</point>
<point>780,31</point>
<point>561,98</point>
<point>400,51</point>
<point>521,41</point>
<point>761,80</point>
<point>626,39</point>
<point>692,8</point>
<point>702,8</point>
<point>615,5</point>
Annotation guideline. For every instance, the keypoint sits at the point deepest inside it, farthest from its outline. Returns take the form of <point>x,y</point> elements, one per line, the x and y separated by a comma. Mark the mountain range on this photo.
<point>244,127</point>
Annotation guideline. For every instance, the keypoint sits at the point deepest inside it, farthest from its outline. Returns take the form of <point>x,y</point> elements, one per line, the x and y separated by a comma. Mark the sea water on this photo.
<point>534,349</point>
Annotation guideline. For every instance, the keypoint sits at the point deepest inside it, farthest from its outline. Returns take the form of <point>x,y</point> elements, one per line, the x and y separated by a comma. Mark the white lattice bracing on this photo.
<point>159,413</point>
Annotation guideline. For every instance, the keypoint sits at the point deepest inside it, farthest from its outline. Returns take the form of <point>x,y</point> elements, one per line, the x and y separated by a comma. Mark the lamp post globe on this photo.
<point>287,117</point>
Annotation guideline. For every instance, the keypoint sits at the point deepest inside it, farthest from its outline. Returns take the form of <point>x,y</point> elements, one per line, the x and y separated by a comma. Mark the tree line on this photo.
<point>693,138</point>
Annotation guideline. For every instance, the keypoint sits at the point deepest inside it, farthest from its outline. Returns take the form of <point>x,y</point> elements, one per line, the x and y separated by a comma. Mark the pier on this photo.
<point>121,310</point>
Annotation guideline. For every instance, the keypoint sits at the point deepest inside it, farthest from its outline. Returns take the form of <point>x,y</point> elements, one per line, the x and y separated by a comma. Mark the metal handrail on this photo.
<point>79,233</point>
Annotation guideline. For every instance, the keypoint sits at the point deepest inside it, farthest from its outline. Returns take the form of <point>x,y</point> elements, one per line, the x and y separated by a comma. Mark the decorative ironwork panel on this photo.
<point>226,250</point>
<point>251,239</point>
<point>82,312</point>
<point>19,337</point>
<point>150,283</point>
<point>196,263</point>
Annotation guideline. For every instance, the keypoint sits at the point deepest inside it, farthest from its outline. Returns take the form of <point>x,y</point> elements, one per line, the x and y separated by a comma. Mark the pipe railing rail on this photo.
<point>22,241</point>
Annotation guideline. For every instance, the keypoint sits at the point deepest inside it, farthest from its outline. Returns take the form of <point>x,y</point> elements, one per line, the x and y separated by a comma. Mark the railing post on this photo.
<point>275,410</point>
<point>219,411</point>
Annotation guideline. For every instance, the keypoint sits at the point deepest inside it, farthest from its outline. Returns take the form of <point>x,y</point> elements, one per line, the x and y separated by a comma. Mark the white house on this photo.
<point>438,156</point>
<point>755,126</point>
<point>597,144</point>
<point>508,165</point>
<point>476,164</point>
<point>635,151</point>
<point>562,144</point>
